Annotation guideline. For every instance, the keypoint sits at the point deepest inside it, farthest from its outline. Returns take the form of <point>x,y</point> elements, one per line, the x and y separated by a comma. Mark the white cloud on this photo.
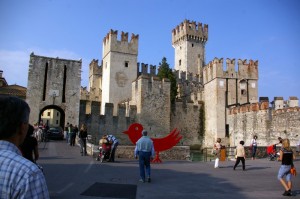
<point>14,64</point>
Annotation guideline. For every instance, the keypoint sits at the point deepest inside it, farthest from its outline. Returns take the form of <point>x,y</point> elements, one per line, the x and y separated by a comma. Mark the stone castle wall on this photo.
<point>98,124</point>
<point>268,124</point>
<point>186,119</point>
<point>151,96</point>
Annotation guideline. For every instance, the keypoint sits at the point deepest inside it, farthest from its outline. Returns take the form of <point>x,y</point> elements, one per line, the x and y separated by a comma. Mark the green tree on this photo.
<point>166,72</point>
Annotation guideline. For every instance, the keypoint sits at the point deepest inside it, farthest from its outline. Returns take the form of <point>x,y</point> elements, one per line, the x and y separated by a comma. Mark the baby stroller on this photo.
<point>271,151</point>
<point>104,150</point>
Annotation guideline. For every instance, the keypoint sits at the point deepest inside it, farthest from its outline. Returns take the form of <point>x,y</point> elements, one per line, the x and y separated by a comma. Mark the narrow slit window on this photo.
<point>64,85</point>
<point>45,82</point>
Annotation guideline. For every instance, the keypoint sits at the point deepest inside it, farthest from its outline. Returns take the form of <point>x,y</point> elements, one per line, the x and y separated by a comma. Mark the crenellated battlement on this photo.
<point>254,107</point>
<point>93,95</point>
<point>264,105</point>
<point>111,43</point>
<point>189,87</point>
<point>248,69</point>
<point>286,110</point>
<point>186,76</point>
<point>215,69</point>
<point>152,84</point>
<point>146,70</point>
<point>191,31</point>
<point>95,68</point>
<point>98,125</point>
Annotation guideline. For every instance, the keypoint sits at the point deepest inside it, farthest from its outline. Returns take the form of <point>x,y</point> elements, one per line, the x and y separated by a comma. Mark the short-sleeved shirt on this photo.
<point>112,139</point>
<point>253,142</point>
<point>19,177</point>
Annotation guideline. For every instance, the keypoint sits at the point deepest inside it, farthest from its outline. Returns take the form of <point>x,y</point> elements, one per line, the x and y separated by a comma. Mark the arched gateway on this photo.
<point>54,83</point>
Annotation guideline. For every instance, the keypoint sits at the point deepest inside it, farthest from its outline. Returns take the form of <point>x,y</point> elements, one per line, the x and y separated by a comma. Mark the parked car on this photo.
<point>55,133</point>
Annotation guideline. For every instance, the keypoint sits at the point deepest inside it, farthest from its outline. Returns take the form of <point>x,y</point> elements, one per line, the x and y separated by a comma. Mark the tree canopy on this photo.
<point>166,72</point>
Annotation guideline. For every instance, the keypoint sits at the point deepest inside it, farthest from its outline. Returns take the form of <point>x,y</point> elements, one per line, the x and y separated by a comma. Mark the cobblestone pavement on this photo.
<point>68,174</point>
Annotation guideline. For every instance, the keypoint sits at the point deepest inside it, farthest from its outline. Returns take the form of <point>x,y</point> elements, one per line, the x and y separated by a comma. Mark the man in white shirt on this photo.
<point>145,150</point>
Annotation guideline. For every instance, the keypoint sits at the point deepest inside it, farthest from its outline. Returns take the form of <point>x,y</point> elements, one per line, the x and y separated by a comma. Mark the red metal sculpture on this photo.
<point>134,133</point>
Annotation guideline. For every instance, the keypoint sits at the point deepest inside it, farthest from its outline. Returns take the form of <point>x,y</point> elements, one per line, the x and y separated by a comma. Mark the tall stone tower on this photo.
<point>119,68</point>
<point>54,83</point>
<point>188,40</point>
<point>226,88</point>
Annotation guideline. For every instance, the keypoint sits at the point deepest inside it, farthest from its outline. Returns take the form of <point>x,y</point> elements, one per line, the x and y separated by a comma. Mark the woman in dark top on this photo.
<point>29,147</point>
<point>286,157</point>
<point>83,135</point>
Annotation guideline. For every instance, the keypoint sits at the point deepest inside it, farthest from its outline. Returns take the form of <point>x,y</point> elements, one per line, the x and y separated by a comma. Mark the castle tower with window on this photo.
<point>225,88</point>
<point>119,68</point>
<point>188,40</point>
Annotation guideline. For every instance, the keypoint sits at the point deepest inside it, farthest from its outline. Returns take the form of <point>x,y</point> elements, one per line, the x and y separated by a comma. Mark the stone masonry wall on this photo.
<point>152,99</point>
<point>186,120</point>
<point>267,124</point>
<point>98,125</point>
<point>47,76</point>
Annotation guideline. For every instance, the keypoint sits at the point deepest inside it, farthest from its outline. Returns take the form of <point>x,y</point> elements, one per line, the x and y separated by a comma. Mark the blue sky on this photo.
<point>263,30</point>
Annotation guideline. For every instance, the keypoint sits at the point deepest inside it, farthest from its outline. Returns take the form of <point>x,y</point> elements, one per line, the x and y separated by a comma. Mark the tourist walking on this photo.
<point>286,157</point>
<point>20,178</point>
<point>145,151</point>
<point>240,155</point>
<point>253,146</point>
<point>217,152</point>
<point>82,139</point>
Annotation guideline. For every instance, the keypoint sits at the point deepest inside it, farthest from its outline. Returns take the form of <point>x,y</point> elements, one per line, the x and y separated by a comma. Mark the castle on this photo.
<point>213,101</point>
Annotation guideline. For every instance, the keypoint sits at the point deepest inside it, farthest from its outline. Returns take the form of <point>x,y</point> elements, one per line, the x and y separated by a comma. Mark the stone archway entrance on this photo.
<point>54,83</point>
<point>53,116</point>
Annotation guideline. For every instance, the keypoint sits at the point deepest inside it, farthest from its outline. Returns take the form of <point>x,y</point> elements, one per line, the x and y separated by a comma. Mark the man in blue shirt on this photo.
<point>19,177</point>
<point>145,150</point>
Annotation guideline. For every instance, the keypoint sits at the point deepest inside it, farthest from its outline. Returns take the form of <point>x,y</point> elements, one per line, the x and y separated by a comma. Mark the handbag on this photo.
<point>293,171</point>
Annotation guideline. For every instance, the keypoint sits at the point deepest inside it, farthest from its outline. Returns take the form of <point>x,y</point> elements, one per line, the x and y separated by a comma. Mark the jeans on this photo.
<point>113,151</point>
<point>82,143</point>
<point>254,151</point>
<point>284,170</point>
<point>144,163</point>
